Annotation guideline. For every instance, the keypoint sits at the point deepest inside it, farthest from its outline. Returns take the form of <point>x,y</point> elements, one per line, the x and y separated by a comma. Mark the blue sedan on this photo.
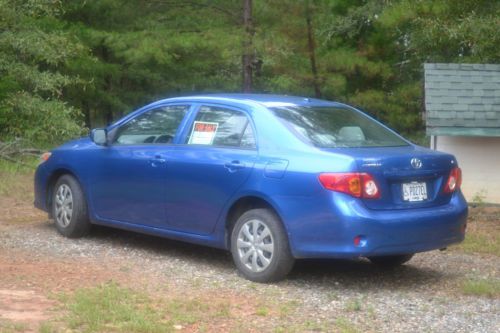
<point>269,178</point>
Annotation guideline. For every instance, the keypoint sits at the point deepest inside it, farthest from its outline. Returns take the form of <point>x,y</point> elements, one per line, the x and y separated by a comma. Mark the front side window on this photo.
<point>217,126</point>
<point>155,126</point>
<point>334,127</point>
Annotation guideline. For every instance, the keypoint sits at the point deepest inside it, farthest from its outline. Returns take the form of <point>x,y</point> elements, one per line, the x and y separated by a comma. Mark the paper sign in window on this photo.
<point>203,133</point>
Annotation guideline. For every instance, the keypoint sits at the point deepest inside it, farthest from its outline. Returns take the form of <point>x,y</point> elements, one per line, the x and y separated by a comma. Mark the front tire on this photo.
<point>69,208</point>
<point>391,261</point>
<point>259,246</point>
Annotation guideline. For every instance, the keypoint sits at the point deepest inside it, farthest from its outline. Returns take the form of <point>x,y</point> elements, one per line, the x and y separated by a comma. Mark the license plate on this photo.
<point>414,191</point>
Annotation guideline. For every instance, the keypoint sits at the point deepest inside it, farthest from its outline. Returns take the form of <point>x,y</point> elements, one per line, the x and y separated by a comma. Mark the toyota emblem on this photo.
<point>416,163</point>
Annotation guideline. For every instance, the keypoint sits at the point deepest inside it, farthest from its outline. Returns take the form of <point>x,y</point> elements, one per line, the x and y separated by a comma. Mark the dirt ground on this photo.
<point>37,265</point>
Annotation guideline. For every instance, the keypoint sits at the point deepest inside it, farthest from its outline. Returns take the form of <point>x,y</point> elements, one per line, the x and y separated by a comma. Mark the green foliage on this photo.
<point>142,53</point>
<point>479,197</point>
<point>110,307</point>
<point>67,65</point>
<point>40,122</point>
<point>371,53</point>
<point>33,52</point>
<point>482,287</point>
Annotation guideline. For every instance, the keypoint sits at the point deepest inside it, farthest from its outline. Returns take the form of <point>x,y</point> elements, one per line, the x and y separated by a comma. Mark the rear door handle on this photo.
<point>234,166</point>
<point>157,161</point>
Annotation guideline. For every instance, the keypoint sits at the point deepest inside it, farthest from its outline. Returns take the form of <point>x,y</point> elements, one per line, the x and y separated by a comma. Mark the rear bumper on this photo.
<point>331,234</point>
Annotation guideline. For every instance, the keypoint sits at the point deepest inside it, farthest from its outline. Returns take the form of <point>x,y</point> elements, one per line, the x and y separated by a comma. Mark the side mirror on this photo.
<point>99,136</point>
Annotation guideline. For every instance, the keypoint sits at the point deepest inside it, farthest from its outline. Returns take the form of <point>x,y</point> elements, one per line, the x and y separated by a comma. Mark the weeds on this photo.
<point>354,305</point>
<point>11,327</point>
<point>47,328</point>
<point>478,198</point>
<point>110,307</point>
<point>345,326</point>
<point>483,231</point>
<point>482,287</point>
<point>262,311</point>
<point>16,180</point>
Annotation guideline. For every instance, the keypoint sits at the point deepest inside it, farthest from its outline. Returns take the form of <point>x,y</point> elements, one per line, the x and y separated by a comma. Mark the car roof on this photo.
<point>268,100</point>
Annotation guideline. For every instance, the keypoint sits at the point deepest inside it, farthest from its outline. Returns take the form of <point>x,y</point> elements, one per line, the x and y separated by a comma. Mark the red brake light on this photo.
<point>454,180</point>
<point>356,184</point>
<point>370,188</point>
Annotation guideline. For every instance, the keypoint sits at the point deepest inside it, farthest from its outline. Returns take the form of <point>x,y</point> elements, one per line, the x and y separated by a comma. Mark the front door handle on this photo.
<point>234,166</point>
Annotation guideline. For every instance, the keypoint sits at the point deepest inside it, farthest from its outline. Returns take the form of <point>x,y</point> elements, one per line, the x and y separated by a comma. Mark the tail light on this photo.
<point>359,185</point>
<point>454,180</point>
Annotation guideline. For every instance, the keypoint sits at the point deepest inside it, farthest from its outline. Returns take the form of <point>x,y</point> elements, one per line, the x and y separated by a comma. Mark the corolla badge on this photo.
<point>416,163</point>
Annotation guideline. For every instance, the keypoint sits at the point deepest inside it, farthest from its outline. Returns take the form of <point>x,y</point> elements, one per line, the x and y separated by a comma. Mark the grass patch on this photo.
<point>112,308</point>
<point>481,242</point>
<point>47,328</point>
<point>287,309</point>
<point>483,231</point>
<point>482,287</point>
<point>7,326</point>
<point>341,325</point>
<point>262,311</point>
<point>354,305</point>
<point>17,179</point>
<point>345,326</point>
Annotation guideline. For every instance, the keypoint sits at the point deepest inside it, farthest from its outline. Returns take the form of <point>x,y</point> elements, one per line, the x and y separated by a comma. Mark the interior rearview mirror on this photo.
<point>99,136</point>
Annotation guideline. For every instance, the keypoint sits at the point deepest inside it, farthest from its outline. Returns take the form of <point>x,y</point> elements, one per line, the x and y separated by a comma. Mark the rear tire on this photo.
<point>391,261</point>
<point>259,246</point>
<point>69,208</point>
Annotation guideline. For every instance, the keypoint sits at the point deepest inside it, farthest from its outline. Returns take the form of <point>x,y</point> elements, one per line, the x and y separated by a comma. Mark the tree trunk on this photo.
<point>86,114</point>
<point>247,58</point>
<point>107,86</point>
<point>312,51</point>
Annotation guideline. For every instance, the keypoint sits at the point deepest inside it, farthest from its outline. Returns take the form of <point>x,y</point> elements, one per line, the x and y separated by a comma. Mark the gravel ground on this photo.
<point>422,296</point>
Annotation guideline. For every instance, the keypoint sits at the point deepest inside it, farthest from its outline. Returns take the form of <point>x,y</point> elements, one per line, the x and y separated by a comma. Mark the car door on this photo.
<point>129,182</point>
<point>217,156</point>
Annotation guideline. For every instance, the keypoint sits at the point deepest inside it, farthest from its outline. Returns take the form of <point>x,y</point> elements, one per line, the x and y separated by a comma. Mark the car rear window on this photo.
<point>334,127</point>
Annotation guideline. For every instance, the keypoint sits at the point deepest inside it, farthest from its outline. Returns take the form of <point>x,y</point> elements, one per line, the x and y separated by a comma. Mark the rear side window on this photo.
<point>217,126</point>
<point>332,127</point>
<point>155,126</point>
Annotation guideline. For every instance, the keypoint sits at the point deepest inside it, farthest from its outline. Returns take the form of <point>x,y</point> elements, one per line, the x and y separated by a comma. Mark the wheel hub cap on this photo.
<point>255,245</point>
<point>63,205</point>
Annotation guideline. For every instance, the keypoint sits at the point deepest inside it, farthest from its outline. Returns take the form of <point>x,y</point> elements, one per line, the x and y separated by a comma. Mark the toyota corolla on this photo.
<point>269,178</point>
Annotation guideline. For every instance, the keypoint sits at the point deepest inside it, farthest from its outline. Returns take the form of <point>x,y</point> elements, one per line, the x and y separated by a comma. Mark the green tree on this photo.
<point>108,57</point>
<point>34,49</point>
<point>145,51</point>
<point>371,53</point>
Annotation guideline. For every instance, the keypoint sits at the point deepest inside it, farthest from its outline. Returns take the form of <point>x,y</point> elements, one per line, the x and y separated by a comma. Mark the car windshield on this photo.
<point>334,127</point>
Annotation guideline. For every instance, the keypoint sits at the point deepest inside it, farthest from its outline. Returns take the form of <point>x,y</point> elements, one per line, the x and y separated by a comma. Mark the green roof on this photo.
<point>462,99</point>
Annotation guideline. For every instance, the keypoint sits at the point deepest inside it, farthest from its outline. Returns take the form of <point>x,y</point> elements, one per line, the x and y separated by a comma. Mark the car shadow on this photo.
<point>158,246</point>
<point>358,274</point>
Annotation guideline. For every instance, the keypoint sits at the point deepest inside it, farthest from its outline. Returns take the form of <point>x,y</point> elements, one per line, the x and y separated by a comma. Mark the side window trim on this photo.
<point>191,118</point>
<point>189,105</point>
<point>185,122</point>
<point>185,125</point>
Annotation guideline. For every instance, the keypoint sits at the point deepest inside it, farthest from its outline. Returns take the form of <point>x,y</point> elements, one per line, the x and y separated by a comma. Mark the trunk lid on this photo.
<point>410,169</point>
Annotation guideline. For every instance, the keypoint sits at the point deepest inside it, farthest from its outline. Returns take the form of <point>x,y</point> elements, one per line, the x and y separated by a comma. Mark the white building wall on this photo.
<point>479,159</point>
